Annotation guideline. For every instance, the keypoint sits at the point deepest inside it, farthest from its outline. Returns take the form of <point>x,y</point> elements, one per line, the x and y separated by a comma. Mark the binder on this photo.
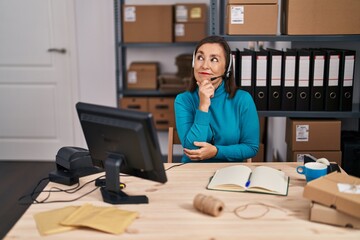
<point>246,74</point>
<point>331,80</point>
<point>235,66</point>
<point>346,79</point>
<point>261,79</point>
<point>288,81</point>
<point>317,70</point>
<point>302,80</point>
<point>274,78</point>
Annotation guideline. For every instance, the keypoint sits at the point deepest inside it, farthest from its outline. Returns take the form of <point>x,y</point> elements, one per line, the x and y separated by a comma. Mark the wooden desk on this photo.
<point>170,214</point>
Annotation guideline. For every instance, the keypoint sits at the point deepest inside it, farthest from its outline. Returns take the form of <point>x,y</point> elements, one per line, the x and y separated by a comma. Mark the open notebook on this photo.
<point>240,178</point>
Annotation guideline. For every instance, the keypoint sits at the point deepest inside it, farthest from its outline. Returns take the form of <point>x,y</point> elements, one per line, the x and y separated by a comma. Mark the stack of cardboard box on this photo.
<point>155,23</point>
<point>318,137</point>
<point>162,109</point>
<point>260,156</point>
<point>190,22</point>
<point>335,200</point>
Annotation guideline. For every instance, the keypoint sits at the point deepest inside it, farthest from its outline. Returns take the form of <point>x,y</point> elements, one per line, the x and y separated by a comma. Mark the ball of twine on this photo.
<point>208,205</point>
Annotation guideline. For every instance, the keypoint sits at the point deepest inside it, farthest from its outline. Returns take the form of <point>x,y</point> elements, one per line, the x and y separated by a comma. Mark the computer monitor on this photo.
<point>121,141</point>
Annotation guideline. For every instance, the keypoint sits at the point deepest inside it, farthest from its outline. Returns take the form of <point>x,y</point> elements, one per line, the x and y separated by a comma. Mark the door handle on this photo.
<point>58,50</point>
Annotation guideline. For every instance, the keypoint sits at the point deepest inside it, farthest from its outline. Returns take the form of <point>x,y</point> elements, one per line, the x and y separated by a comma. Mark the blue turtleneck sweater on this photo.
<point>232,125</point>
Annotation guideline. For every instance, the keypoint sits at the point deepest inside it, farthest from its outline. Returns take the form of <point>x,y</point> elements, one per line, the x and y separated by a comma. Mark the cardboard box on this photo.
<point>323,214</point>
<point>252,17</point>
<point>252,1</point>
<point>161,105</point>
<point>189,32</point>
<point>317,17</point>
<point>298,156</point>
<point>134,103</point>
<point>171,83</point>
<point>325,190</point>
<point>263,129</point>
<point>145,23</point>
<point>142,75</point>
<point>260,155</point>
<point>191,12</point>
<point>163,120</point>
<point>313,134</point>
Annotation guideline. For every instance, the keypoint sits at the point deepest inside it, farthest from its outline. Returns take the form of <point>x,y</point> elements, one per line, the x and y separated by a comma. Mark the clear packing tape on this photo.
<point>106,219</point>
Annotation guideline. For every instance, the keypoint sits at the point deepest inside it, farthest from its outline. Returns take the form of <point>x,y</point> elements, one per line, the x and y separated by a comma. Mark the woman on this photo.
<point>216,122</point>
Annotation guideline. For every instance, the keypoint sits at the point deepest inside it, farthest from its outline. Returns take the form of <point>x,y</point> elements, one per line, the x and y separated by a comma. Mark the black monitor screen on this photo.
<point>121,140</point>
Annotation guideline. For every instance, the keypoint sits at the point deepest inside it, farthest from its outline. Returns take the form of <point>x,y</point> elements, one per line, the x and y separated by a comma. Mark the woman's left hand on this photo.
<point>205,151</point>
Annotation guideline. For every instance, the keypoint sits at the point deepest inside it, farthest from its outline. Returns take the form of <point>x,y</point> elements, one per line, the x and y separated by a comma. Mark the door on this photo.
<point>36,95</point>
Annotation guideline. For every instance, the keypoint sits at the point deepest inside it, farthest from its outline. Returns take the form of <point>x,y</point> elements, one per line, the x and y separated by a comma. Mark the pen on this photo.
<point>248,181</point>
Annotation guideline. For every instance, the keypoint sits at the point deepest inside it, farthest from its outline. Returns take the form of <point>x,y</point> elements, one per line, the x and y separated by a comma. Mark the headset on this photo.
<point>227,74</point>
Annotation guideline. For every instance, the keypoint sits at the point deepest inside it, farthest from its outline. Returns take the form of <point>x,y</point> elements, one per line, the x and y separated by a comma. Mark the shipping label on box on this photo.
<point>337,190</point>
<point>302,133</point>
<point>190,12</point>
<point>130,14</point>
<point>237,15</point>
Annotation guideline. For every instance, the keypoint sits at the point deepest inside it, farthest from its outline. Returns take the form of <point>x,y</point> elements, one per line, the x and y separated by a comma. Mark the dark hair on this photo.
<point>230,86</point>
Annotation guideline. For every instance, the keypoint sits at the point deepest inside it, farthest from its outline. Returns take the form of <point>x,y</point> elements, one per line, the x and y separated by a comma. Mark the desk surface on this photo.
<point>170,213</point>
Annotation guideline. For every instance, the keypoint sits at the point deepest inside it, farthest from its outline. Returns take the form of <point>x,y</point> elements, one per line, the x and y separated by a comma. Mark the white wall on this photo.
<point>95,41</point>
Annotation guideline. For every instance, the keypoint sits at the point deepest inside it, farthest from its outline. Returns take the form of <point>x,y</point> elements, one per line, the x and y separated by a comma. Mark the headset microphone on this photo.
<point>213,78</point>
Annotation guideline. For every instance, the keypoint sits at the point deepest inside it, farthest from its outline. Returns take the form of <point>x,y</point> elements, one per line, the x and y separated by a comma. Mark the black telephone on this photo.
<point>71,164</point>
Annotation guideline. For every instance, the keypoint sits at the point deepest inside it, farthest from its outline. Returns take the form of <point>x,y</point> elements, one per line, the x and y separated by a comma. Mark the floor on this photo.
<point>18,179</point>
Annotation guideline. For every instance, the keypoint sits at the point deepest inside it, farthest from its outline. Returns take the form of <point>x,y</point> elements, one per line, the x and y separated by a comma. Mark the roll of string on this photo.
<point>208,205</point>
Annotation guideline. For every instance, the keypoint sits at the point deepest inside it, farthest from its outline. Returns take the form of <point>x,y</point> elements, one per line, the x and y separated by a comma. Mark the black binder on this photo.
<point>246,72</point>
<point>235,66</point>
<point>302,80</point>
<point>261,80</point>
<point>317,71</point>
<point>288,81</point>
<point>331,80</point>
<point>346,79</point>
<point>274,79</point>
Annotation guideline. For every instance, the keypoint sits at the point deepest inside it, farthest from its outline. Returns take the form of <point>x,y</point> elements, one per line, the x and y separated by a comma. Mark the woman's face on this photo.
<point>209,62</point>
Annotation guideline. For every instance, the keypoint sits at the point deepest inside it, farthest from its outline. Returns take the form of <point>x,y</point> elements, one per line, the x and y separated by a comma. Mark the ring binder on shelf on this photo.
<point>261,80</point>
<point>346,79</point>
<point>274,76</point>
<point>331,80</point>
<point>302,80</point>
<point>246,77</point>
<point>288,81</point>
<point>317,66</point>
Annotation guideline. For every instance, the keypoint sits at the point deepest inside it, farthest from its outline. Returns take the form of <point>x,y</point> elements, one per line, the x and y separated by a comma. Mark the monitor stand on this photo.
<point>111,192</point>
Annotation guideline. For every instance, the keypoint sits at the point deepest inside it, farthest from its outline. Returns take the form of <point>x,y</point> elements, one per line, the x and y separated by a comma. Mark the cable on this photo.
<point>56,189</point>
<point>33,194</point>
<point>178,165</point>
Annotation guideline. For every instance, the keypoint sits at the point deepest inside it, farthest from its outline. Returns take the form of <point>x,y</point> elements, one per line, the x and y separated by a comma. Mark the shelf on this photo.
<point>313,114</point>
<point>145,45</point>
<point>294,38</point>
<point>147,93</point>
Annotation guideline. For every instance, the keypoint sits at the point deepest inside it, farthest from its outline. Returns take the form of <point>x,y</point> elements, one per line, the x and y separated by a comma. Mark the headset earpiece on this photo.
<point>228,71</point>
<point>193,60</point>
